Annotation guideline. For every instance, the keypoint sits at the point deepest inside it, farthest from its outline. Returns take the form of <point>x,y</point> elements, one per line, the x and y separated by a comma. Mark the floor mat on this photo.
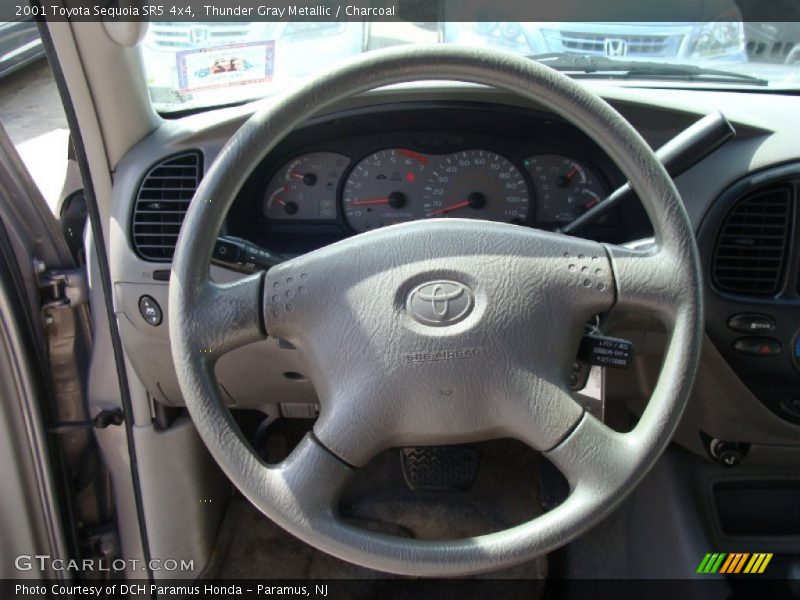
<point>250,546</point>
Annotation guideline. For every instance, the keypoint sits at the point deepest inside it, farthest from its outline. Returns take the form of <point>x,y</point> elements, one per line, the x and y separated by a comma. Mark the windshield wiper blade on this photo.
<point>601,66</point>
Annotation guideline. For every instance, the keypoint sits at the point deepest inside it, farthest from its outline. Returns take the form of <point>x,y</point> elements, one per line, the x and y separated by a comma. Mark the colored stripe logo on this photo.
<point>735,562</point>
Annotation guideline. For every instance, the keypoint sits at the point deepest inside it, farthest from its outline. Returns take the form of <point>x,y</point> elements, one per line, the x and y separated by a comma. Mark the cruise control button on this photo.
<point>150,310</point>
<point>751,323</point>
<point>757,346</point>
<point>604,351</point>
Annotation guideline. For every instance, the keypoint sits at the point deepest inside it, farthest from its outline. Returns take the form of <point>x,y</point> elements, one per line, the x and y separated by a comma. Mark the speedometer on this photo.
<point>476,184</point>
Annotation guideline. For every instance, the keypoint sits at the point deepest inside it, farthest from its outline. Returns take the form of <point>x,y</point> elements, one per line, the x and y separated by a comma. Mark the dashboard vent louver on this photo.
<point>161,204</point>
<point>751,247</point>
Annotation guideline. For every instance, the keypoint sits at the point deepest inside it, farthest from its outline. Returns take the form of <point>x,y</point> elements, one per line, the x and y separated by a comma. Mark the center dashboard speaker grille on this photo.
<point>161,203</point>
<point>751,249</point>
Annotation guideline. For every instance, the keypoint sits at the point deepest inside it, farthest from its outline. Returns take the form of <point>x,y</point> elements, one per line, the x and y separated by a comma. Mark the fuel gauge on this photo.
<point>305,188</point>
<point>565,188</point>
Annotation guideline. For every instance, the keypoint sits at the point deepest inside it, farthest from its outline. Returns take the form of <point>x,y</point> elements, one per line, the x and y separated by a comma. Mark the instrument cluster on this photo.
<point>394,185</point>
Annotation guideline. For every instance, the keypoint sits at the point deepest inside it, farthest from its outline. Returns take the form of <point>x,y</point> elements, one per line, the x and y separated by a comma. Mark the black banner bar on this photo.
<point>404,10</point>
<point>403,588</point>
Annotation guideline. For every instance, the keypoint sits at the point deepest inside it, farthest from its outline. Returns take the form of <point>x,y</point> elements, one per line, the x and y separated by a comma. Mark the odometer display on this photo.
<point>384,188</point>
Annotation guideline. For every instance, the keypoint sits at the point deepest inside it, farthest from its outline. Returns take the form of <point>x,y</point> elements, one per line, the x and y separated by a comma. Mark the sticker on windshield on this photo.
<point>225,66</point>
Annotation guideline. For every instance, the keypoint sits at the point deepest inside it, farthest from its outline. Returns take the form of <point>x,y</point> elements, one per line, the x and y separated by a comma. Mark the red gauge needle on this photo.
<point>275,198</point>
<point>591,203</point>
<point>296,175</point>
<point>564,180</point>
<point>447,209</point>
<point>371,201</point>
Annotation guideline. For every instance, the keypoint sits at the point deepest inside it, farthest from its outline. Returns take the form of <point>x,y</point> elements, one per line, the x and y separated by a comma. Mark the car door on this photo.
<point>46,446</point>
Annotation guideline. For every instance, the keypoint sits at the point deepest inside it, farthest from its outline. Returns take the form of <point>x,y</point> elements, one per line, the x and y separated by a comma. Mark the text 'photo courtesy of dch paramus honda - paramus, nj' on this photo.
<point>407,299</point>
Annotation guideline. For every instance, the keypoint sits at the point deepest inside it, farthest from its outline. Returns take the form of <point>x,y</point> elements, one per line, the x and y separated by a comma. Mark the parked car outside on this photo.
<point>773,42</point>
<point>717,40</point>
<point>19,45</point>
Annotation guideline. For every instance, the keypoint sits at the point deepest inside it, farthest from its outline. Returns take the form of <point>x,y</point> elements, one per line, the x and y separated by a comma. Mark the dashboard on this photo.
<point>303,195</point>
<point>399,164</point>
<point>460,151</point>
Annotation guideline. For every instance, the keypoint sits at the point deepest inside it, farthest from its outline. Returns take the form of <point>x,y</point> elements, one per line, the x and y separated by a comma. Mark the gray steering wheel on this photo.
<point>357,313</point>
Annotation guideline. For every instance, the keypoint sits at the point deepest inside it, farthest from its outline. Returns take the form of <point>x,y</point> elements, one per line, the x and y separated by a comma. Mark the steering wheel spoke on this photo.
<point>311,479</point>
<point>353,427</point>
<point>646,280</point>
<point>545,415</point>
<point>229,316</point>
<point>593,456</point>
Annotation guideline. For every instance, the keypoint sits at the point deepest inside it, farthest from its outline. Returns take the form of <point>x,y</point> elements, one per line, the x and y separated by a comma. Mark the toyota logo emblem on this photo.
<point>440,302</point>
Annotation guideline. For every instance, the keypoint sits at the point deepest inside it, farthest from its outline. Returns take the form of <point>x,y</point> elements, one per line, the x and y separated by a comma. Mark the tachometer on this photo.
<point>384,188</point>
<point>305,187</point>
<point>565,188</point>
<point>476,184</point>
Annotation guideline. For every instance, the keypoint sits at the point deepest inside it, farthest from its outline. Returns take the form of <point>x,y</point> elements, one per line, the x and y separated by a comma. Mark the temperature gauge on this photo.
<point>305,188</point>
<point>565,188</point>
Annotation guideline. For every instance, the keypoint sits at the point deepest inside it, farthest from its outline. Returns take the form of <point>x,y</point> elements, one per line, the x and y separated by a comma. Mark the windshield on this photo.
<point>192,65</point>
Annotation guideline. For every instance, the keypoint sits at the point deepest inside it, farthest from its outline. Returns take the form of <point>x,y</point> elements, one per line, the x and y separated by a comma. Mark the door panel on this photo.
<point>45,337</point>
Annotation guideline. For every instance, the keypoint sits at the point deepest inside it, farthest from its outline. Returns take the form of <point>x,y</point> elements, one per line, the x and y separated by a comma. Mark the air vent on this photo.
<point>162,202</point>
<point>751,248</point>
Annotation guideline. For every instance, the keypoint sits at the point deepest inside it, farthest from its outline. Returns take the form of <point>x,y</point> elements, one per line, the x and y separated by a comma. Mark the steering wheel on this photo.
<point>437,332</point>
